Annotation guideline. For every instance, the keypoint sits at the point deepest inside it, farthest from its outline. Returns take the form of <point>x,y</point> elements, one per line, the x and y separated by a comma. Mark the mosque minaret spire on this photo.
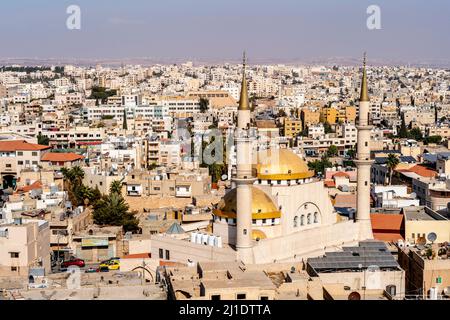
<point>244,178</point>
<point>363,161</point>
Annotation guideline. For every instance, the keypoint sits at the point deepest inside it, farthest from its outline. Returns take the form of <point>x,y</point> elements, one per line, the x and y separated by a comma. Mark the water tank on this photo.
<point>193,237</point>
<point>198,238</point>
<point>218,242</point>
<point>211,240</point>
<point>392,290</point>
<point>205,239</point>
<point>433,293</point>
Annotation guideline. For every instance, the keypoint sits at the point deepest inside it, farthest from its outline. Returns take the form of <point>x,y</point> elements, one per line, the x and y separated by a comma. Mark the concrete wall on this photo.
<point>181,250</point>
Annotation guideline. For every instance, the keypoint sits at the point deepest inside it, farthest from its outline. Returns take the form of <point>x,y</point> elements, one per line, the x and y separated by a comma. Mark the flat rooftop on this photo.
<point>421,214</point>
<point>366,254</point>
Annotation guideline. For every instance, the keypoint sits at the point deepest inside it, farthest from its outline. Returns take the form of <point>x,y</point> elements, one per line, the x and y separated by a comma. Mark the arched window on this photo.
<point>308,219</point>
<point>302,220</point>
<point>316,217</point>
<point>295,222</point>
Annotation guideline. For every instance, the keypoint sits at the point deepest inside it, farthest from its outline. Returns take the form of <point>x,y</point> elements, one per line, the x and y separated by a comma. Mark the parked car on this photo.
<point>90,270</point>
<point>102,269</point>
<point>111,264</point>
<point>73,262</point>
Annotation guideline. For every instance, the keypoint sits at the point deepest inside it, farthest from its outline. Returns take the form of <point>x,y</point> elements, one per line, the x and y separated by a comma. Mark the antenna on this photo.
<point>364,59</point>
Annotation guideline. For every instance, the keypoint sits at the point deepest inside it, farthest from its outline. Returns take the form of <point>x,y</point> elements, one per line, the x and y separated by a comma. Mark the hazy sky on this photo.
<point>221,29</point>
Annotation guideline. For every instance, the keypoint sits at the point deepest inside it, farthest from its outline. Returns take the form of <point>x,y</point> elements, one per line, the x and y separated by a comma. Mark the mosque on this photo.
<point>276,210</point>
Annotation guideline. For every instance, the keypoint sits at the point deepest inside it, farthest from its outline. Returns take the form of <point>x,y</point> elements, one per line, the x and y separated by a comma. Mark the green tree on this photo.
<point>416,134</point>
<point>319,166</point>
<point>44,140</point>
<point>204,105</point>
<point>351,153</point>
<point>116,187</point>
<point>433,139</point>
<point>112,210</point>
<point>125,125</point>
<point>327,127</point>
<point>392,163</point>
<point>332,151</point>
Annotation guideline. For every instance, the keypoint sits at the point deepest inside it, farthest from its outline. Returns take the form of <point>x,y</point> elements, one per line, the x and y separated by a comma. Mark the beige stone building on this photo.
<point>24,244</point>
<point>17,155</point>
<point>427,270</point>
<point>181,184</point>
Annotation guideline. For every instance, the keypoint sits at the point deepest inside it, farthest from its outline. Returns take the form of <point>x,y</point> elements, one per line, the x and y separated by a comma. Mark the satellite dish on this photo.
<point>354,296</point>
<point>432,237</point>
<point>447,291</point>
<point>224,177</point>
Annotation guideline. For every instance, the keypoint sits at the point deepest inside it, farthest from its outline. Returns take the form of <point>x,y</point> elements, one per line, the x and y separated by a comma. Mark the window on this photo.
<point>215,297</point>
<point>14,254</point>
<point>302,220</point>
<point>295,222</point>
<point>264,298</point>
<point>167,255</point>
<point>20,162</point>
<point>241,296</point>
<point>20,153</point>
<point>13,268</point>
<point>8,165</point>
<point>34,153</point>
<point>161,253</point>
<point>316,217</point>
<point>308,219</point>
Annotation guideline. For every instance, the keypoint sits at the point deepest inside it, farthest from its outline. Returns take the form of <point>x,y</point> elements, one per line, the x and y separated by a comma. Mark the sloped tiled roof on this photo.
<point>21,145</point>
<point>61,157</point>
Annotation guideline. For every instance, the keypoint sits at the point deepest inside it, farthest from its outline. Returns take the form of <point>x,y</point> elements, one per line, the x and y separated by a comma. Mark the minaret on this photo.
<point>244,177</point>
<point>363,162</point>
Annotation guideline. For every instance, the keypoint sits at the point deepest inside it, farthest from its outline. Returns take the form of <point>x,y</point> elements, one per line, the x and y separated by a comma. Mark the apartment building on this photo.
<point>181,184</point>
<point>310,117</point>
<point>17,155</point>
<point>24,244</point>
<point>77,137</point>
<point>292,127</point>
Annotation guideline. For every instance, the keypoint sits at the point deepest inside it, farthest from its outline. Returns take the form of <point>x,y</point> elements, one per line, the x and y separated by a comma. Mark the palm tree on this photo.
<point>116,187</point>
<point>78,174</point>
<point>392,163</point>
<point>114,211</point>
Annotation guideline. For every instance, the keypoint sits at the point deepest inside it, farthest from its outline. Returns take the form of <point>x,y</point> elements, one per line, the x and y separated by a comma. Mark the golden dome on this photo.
<point>258,234</point>
<point>281,164</point>
<point>262,206</point>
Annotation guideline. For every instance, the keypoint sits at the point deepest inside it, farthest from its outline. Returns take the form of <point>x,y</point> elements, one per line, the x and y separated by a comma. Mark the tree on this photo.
<point>327,127</point>
<point>332,151</point>
<point>415,134</point>
<point>433,140</point>
<point>392,163</point>
<point>125,125</point>
<point>44,140</point>
<point>112,210</point>
<point>204,105</point>
<point>116,187</point>
<point>403,132</point>
<point>319,166</point>
<point>351,153</point>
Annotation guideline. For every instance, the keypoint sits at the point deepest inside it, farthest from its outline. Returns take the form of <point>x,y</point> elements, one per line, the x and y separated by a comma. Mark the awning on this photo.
<point>89,143</point>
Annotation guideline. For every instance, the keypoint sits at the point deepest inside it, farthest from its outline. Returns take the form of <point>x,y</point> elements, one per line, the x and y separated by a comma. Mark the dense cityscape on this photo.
<point>233,181</point>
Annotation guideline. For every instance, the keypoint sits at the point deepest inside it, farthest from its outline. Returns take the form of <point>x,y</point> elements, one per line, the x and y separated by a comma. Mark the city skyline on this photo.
<point>169,32</point>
